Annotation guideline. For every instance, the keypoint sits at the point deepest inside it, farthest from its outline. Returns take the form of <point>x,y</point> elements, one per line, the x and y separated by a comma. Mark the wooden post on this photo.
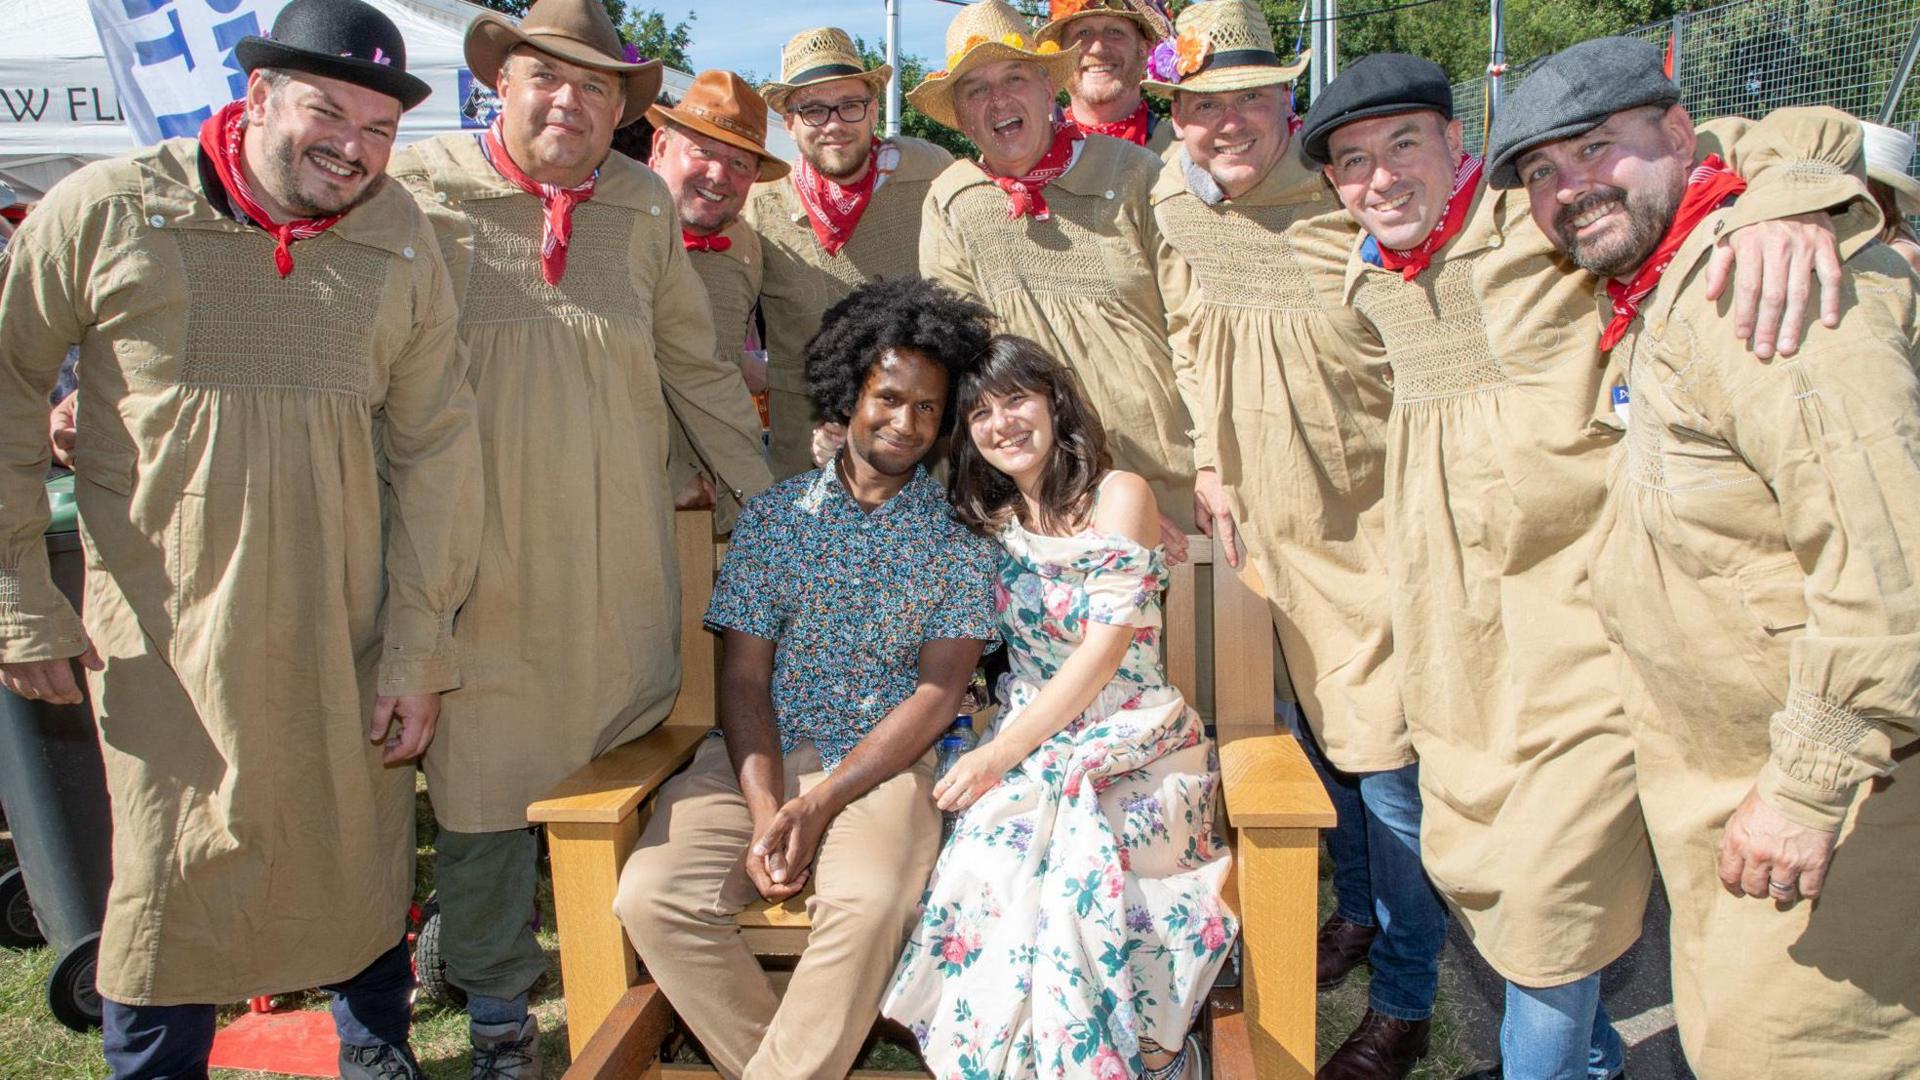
<point>1279,892</point>
<point>596,964</point>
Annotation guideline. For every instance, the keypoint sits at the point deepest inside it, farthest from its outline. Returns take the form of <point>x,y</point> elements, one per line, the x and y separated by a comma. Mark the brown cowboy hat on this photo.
<point>577,31</point>
<point>722,106</point>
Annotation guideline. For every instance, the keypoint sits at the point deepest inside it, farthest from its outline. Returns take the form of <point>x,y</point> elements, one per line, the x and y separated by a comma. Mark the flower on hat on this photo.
<point>1161,66</point>
<point>630,53</point>
<point>973,42</point>
<point>1191,51</point>
<point>1047,48</point>
<point>1017,40</point>
<point>1060,9</point>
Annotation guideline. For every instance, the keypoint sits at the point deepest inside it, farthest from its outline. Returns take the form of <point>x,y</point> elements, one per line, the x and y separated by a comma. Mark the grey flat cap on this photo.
<point>1572,93</point>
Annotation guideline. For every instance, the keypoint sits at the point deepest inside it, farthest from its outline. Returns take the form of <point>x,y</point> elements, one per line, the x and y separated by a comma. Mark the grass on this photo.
<point>33,1045</point>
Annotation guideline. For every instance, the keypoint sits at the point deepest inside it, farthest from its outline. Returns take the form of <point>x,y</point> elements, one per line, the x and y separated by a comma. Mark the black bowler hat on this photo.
<point>339,39</point>
<point>1379,85</point>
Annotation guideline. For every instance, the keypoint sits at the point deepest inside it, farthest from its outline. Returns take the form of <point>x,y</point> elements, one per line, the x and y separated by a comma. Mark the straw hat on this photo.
<point>1149,15</point>
<point>821,55</point>
<point>577,31</point>
<point>1888,152</point>
<point>722,106</point>
<point>985,33</point>
<point>1221,45</point>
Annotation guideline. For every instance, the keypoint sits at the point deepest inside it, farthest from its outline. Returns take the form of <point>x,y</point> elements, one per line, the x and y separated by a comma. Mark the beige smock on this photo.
<point>1496,474</point>
<point>1289,403</point>
<point>1760,569</point>
<point>800,281</point>
<point>570,642</point>
<point>279,496</point>
<point>732,281</point>
<point>1082,284</point>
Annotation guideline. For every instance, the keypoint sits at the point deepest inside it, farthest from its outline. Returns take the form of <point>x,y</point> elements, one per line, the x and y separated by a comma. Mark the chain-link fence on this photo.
<point>1751,56</point>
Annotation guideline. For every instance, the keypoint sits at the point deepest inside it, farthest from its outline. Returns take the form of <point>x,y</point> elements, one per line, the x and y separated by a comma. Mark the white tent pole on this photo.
<point>893,61</point>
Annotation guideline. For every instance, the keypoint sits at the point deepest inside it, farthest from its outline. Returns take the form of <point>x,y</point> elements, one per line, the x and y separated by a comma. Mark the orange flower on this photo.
<point>1048,48</point>
<point>1060,9</point>
<point>1018,41</point>
<point>1191,52</point>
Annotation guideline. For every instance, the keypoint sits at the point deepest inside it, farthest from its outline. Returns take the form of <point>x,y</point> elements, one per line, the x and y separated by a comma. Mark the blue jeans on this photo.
<point>1561,1033</point>
<point>1378,880</point>
<point>171,1042</point>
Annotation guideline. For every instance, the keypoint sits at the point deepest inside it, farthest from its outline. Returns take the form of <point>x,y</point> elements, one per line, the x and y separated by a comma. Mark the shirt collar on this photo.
<point>826,487</point>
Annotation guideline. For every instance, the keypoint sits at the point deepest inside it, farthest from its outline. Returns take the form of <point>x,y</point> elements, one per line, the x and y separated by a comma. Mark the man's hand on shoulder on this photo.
<point>1772,265</point>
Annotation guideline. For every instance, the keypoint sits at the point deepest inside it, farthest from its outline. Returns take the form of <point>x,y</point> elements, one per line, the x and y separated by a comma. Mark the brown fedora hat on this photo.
<point>577,31</point>
<point>722,106</point>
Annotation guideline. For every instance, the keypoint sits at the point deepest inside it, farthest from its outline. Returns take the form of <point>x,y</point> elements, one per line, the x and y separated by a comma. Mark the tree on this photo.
<point>913,122</point>
<point>647,30</point>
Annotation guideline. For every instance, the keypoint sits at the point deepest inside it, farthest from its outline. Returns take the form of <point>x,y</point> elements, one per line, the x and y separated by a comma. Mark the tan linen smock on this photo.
<point>570,641</point>
<point>1082,284</point>
<point>732,281</point>
<point>800,281</point>
<point>1289,402</point>
<point>1496,473</point>
<point>243,438</point>
<point>1761,571</point>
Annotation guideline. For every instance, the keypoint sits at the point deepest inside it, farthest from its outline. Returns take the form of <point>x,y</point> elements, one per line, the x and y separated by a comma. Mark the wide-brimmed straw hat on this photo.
<point>1149,15</point>
<point>1888,152</point>
<point>722,106</point>
<point>985,33</point>
<point>1220,45</point>
<point>577,31</point>
<point>338,39</point>
<point>822,54</point>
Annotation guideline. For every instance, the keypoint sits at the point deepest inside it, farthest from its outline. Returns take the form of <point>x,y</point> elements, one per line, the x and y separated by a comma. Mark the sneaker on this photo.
<point>506,1051</point>
<point>383,1062</point>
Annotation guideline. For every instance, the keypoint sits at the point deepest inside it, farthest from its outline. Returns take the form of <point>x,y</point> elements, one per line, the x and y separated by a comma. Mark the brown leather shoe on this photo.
<point>1339,949</point>
<point>1381,1048</point>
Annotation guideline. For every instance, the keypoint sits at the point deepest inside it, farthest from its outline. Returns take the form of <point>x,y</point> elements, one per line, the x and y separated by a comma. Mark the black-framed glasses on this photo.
<point>848,112</point>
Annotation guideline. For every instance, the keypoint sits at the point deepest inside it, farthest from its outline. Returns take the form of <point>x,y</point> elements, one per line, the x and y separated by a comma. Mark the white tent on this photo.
<point>58,108</point>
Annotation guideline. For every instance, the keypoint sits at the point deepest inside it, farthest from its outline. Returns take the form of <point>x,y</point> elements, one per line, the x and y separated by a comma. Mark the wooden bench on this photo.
<point>1263,1027</point>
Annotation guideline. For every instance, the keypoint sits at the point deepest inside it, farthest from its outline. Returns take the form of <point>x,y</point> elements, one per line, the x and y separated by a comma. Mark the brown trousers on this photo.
<point>685,882</point>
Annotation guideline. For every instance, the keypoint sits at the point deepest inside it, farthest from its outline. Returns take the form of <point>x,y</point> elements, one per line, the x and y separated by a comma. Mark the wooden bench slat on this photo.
<point>614,784</point>
<point>628,1040</point>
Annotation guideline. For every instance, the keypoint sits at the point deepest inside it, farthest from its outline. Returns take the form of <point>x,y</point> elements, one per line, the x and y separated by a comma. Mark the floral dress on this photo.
<point>1077,908</point>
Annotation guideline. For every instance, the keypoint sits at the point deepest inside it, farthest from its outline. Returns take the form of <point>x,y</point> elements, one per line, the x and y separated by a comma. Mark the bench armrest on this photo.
<point>612,786</point>
<point>1268,781</point>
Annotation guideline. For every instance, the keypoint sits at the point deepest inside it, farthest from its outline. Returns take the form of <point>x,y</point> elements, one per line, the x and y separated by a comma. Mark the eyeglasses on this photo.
<point>848,112</point>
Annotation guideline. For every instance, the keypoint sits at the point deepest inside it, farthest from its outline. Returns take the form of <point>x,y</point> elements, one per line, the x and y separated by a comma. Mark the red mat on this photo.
<point>297,1043</point>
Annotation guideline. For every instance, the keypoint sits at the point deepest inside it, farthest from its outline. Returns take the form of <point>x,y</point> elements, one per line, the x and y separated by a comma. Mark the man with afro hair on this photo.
<point>852,608</point>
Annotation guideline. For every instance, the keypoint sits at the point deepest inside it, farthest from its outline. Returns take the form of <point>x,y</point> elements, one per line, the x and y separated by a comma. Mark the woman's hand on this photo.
<point>977,772</point>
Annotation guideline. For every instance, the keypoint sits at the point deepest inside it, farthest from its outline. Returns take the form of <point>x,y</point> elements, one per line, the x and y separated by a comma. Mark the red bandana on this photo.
<point>1466,180</point>
<point>1133,128</point>
<point>714,242</point>
<point>1024,193</point>
<point>832,207</point>
<point>558,201</point>
<point>1709,186</point>
<point>220,140</point>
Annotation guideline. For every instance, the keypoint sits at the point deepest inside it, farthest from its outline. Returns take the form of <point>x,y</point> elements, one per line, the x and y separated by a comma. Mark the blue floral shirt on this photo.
<point>848,597</point>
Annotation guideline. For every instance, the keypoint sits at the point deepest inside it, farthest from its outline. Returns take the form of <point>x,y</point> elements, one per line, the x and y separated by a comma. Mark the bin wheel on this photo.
<point>71,993</point>
<point>429,966</point>
<point>19,929</point>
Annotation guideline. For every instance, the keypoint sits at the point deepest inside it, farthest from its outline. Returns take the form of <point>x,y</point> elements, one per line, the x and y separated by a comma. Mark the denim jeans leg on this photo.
<point>1347,840</point>
<point>375,1008</point>
<point>156,1042</point>
<point>1413,922</point>
<point>1559,1033</point>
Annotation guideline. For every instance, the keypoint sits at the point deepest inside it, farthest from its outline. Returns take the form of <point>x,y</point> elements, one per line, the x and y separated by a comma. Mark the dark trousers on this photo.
<point>172,1042</point>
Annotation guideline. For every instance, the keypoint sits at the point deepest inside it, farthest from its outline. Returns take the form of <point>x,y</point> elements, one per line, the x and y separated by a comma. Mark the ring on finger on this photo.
<point>1781,886</point>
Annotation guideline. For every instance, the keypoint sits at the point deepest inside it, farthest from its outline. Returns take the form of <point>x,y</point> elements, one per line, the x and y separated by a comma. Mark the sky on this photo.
<point>747,34</point>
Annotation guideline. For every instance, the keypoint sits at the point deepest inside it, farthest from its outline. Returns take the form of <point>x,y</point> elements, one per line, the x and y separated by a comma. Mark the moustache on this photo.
<point>328,152</point>
<point>1563,221</point>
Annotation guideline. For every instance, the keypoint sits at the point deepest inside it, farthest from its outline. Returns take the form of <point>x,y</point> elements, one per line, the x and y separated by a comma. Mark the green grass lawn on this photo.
<point>33,1045</point>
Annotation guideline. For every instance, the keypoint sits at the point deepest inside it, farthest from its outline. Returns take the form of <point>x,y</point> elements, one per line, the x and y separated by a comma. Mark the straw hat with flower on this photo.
<point>1220,45</point>
<point>1149,15</point>
<point>984,33</point>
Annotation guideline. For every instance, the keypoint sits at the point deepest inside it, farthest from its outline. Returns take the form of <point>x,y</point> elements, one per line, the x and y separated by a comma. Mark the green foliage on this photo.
<point>645,29</point>
<point>913,122</point>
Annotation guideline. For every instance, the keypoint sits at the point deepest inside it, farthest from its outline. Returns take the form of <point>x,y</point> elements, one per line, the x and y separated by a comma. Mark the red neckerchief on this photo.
<point>1025,193</point>
<point>1709,186</point>
<point>713,242</point>
<point>557,201</point>
<point>1133,128</point>
<point>832,207</point>
<point>1466,180</point>
<point>220,139</point>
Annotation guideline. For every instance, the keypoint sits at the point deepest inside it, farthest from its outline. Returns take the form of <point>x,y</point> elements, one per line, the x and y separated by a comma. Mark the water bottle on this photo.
<point>953,746</point>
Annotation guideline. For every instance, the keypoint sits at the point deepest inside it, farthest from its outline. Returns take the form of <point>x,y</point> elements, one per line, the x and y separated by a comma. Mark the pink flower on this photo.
<point>954,949</point>
<point>1126,858</point>
<point>1108,1066</point>
<point>1058,602</point>
<point>1214,934</point>
<point>1116,882</point>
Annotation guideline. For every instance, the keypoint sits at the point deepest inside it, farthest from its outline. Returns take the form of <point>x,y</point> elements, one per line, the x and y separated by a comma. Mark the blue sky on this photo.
<point>747,34</point>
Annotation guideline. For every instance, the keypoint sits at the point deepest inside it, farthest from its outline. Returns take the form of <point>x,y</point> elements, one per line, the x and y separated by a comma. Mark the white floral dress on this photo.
<point>1077,908</point>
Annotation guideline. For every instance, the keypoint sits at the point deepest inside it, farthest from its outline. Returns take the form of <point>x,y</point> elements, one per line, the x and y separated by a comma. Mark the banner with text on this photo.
<point>173,59</point>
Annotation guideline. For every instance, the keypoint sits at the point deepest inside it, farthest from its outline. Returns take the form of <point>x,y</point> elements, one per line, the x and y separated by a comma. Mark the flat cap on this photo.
<point>1571,93</point>
<point>1378,85</point>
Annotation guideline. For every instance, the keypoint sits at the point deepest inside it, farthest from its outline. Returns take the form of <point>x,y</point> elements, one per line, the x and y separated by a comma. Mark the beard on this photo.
<point>841,163</point>
<point>1649,213</point>
<point>283,160</point>
<point>1111,89</point>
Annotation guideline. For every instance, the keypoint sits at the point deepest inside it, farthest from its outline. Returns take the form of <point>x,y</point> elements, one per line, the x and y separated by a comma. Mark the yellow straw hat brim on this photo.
<point>934,95</point>
<point>1226,79</point>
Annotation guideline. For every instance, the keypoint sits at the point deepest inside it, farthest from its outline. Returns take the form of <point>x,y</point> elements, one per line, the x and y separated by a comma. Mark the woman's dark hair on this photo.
<point>1896,227</point>
<point>985,498</point>
<point>903,313</point>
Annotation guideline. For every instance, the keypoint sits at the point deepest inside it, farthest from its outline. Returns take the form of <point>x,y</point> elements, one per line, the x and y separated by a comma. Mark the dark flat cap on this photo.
<point>1378,85</point>
<point>1571,93</point>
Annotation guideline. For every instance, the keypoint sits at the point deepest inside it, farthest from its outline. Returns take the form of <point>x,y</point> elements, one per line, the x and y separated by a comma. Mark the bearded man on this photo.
<point>1115,38</point>
<point>588,329</point>
<point>279,487</point>
<point>1774,674</point>
<point>849,215</point>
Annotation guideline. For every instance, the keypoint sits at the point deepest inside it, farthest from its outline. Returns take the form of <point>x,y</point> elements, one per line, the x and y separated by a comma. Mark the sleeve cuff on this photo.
<point>1817,763</point>
<point>36,621</point>
<point>1804,804</point>
<point>408,668</point>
